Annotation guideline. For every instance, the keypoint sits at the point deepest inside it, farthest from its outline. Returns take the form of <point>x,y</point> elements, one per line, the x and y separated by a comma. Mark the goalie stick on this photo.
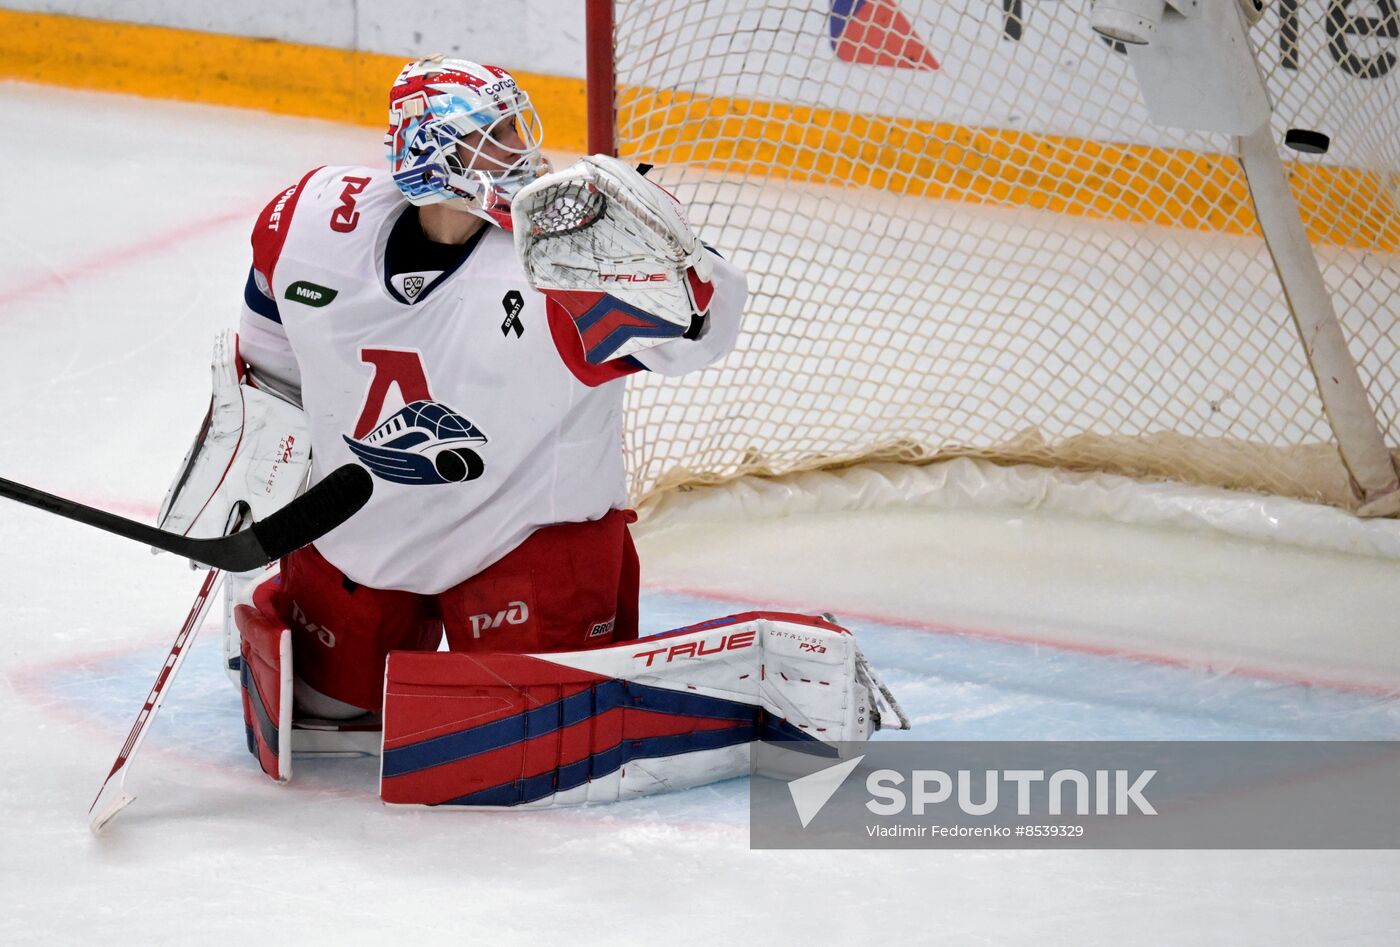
<point>316,512</point>
<point>112,798</point>
<point>304,520</point>
<point>319,510</point>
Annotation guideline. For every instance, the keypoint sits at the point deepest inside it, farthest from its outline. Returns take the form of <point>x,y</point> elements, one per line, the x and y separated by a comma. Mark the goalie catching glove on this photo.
<point>598,226</point>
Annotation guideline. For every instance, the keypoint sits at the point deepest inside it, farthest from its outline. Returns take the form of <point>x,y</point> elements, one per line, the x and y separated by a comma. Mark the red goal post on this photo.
<point>966,239</point>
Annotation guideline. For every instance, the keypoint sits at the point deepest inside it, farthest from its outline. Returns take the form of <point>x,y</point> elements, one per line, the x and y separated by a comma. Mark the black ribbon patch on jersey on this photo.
<point>512,302</point>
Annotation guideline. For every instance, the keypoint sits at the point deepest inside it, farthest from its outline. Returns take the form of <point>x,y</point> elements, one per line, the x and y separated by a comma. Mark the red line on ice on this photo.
<point>117,257</point>
<point>146,512</point>
<point>1043,641</point>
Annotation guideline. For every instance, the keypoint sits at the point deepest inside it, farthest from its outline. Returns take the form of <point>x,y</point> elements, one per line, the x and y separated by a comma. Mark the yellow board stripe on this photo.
<point>1133,183</point>
<point>1077,176</point>
<point>287,78</point>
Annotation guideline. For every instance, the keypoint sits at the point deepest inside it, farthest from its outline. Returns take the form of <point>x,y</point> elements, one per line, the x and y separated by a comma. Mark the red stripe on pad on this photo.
<point>539,755</point>
<point>429,694</point>
<point>436,695</point>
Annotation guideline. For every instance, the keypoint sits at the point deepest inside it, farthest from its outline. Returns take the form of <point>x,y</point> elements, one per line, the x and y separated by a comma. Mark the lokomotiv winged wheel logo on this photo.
<point>422,443</point>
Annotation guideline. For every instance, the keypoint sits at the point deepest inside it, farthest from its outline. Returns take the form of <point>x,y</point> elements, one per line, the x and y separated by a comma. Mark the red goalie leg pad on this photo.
<point>509,729</point>
<point>341,631</point>
<point>267,681</point>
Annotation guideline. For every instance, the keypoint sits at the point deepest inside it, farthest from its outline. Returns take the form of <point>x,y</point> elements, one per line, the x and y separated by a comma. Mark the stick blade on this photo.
<point>332,501</point>
<point>109,803</point>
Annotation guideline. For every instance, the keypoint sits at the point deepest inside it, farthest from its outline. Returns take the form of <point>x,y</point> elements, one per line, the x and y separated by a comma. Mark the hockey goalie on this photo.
<point>461,324</point>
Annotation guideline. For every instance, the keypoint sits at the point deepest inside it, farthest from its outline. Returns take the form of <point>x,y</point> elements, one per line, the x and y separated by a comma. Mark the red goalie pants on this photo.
<point>565,588</point>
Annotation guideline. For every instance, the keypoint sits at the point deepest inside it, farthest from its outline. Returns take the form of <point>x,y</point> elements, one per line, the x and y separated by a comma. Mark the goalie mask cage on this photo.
<point>964,237</point>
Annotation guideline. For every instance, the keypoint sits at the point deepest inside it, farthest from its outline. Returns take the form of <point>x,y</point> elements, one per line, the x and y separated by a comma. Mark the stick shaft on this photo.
<point>112,797</point>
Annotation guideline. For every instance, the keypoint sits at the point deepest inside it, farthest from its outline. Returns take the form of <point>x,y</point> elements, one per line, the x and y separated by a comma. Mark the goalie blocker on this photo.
<point>251,457</point>
<point>668,712</point>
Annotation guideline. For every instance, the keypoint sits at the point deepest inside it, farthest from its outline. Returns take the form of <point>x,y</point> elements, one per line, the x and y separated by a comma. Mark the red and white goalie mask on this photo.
<point>463,134</point>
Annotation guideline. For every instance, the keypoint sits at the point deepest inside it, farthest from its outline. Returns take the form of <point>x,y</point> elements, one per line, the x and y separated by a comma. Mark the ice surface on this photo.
<point>125,249</point>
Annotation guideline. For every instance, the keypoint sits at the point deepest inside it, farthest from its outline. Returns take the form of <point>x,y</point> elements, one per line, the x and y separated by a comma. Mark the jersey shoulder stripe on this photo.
<point>275,221</point>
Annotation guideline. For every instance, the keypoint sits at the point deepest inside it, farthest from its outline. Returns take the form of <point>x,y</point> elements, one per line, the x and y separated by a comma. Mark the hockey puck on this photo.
<point>1307,141</point>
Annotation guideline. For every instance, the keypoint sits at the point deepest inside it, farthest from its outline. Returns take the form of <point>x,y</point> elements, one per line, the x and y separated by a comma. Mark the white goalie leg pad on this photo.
<point>663,713</point>
<point>250,458</point>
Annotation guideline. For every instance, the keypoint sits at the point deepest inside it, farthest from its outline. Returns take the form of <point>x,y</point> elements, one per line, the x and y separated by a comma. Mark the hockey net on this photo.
<point>965,238</point>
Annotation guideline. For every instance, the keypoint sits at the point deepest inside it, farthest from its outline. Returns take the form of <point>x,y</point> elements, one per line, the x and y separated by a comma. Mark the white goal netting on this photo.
<point>964,237</point>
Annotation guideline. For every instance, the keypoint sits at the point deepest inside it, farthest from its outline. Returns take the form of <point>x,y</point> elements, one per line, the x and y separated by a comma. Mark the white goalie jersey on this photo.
<point>484,409</point>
